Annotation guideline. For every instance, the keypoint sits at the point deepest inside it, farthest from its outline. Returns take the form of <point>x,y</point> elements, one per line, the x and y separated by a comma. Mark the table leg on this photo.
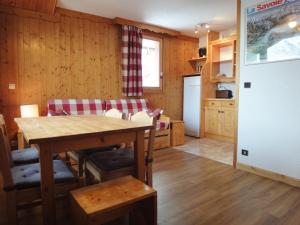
<point>140,155</point>
<point>20,140</point>
<point>47,184</point>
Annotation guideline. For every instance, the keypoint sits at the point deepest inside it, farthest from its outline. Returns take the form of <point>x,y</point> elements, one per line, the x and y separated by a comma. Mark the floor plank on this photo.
<point>197,191</point>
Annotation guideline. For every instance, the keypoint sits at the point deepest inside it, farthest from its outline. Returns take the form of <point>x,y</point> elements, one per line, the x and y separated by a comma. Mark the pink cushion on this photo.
<point>77,106</point>
<point>128,105</point>
<point>155,113</point>
<point>162,125</point>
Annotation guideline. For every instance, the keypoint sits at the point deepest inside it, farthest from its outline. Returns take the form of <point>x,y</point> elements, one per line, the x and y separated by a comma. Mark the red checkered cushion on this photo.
<point>128,106</point>
<point>77,106</point>
<point>162,125</point>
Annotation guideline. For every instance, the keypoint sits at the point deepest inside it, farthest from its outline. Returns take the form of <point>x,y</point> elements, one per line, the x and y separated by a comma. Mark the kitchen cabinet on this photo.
<point>220,119</point>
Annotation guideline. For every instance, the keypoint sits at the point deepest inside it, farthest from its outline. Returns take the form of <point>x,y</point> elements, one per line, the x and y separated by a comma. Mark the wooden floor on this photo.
<point>219,151</point>
<point>196,191</point>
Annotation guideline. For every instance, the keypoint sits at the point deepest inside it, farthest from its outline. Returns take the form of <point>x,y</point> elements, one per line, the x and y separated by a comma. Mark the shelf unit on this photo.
<point>223,60</point>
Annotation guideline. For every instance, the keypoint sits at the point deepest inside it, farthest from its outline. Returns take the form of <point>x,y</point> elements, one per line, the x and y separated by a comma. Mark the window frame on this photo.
<point>160,40</point>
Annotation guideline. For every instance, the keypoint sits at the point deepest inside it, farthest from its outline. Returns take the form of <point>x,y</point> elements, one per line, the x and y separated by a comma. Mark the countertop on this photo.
<point>220,99</point>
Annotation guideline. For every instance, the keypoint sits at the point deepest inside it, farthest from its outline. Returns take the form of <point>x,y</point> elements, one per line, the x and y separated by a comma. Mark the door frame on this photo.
<point>238,53</point>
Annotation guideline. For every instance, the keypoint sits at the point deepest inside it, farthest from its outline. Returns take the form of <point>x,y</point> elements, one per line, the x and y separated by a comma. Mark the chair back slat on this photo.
<point>5,159</point>
<point>144,117</point>
<point>6,140</point>
<point>114,113</point>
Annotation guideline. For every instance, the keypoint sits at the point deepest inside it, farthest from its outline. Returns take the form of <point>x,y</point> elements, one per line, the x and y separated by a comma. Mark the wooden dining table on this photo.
<point>60,134</point>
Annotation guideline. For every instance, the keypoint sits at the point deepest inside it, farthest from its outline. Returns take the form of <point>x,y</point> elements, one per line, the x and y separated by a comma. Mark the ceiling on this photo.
<point>180,15</point>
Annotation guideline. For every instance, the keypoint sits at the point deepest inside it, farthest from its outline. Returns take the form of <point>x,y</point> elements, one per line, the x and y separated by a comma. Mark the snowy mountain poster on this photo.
<point>273,31</point>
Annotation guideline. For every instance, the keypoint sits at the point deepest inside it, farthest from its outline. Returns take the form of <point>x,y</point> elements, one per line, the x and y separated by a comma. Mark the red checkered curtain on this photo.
<point>132,39</point>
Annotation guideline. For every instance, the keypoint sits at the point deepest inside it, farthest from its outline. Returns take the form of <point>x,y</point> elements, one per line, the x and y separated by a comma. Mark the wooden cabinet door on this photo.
<point>212,120</point>
<point>227,122</point>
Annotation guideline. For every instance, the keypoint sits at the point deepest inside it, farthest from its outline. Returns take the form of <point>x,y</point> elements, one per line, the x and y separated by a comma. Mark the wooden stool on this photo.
<point>177,132</point>
<point>104,202</point>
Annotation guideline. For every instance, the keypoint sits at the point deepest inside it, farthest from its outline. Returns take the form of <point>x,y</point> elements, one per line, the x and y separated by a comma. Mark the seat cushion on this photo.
<point>113,160</point>
<point>28,176</point>
<point>87,152</point>
<point>26,156</point>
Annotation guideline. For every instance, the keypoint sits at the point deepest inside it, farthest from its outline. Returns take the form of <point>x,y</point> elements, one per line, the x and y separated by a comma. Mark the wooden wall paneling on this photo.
<point>64,69</point>
<point>104,61</point>
<point>100,68</point>
<point>90,58</point>
<point>9,98</point>
<point>114,61</point>
<point>43,6</point>
<point>87,80</point>
<point>72,55</point>
<point>1,59</point>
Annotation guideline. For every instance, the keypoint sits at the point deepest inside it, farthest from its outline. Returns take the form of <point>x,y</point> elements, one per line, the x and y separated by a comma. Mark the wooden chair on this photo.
<point>105,202</point>
<point>22,183</point>
<point>24,156</point>
<point>109,165</point>
<point>80,156</point>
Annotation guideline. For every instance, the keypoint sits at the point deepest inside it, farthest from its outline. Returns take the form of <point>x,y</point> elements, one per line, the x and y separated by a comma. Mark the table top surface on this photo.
<point>43,129</point>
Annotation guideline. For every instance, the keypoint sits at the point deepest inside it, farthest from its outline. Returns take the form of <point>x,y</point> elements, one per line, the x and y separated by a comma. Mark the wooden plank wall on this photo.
<point>74,57</point>
<point>43,6</point>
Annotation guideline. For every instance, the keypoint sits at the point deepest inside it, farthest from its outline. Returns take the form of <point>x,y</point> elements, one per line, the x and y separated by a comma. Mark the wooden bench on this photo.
<point>105,202</point>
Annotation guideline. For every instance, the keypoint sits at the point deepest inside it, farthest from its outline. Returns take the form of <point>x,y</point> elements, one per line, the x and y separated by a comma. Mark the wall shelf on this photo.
<point>223,80</point>
<point>197,59</point>
<point>223,60</point>
<point>197,63</point>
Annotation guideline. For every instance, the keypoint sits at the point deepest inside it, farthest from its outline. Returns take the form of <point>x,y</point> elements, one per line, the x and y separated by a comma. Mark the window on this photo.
<point>151,63</point>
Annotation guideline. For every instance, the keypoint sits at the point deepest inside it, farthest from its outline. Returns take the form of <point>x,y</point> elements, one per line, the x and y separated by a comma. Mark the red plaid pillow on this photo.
<point>77,106</point>
<point>128,106</point>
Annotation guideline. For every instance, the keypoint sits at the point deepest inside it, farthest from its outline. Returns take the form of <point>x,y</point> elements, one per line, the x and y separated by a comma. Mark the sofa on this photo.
<point>98,106</point>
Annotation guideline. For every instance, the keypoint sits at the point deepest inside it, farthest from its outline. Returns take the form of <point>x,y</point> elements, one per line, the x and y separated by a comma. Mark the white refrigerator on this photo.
<point>192,105</point>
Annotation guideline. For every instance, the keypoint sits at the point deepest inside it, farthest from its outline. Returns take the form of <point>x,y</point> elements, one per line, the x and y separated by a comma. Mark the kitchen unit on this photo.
<point>220,119</point>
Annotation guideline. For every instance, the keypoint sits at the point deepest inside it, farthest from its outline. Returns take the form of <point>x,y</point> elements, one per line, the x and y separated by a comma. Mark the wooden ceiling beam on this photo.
<point>146,26</point>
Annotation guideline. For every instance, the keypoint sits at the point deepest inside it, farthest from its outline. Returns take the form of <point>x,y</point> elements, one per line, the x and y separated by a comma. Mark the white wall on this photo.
<point>228,32</point>
<point>269,113</point>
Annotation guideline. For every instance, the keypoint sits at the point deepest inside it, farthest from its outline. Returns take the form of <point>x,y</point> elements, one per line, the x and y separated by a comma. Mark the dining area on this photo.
<point>102,165</point>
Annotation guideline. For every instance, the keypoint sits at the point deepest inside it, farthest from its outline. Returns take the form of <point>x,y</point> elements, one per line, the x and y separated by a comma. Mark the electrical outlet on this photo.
<point>247,84</point>
<point>245,152</point>
<point>11,86</point>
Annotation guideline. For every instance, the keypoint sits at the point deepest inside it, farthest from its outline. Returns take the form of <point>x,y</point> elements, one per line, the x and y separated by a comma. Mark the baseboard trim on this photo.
<point>268,174</point>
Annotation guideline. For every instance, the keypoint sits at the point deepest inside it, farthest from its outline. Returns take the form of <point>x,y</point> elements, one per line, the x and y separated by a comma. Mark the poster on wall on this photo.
<point>273,31</point>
